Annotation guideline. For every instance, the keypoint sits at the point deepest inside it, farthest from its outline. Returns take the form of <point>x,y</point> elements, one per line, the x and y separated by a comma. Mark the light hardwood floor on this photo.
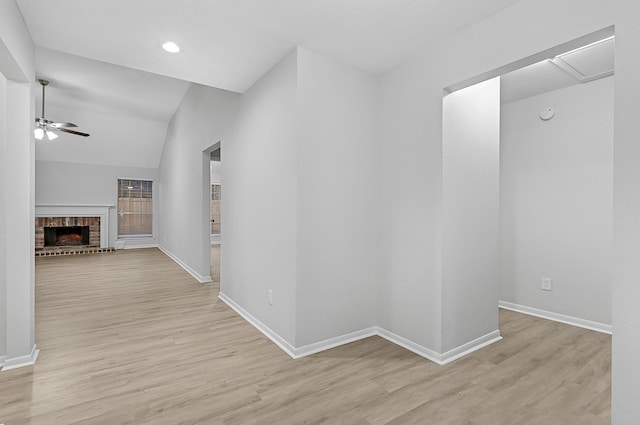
<point>215,263</point>
<point>130,338</point>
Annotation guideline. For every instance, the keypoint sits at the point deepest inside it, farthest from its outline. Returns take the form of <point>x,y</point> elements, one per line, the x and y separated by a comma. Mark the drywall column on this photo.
<point>19,227</point>
<point>3,260</point>
<point>17,167</point>
<point>626,218</point>
<point>470,215</point>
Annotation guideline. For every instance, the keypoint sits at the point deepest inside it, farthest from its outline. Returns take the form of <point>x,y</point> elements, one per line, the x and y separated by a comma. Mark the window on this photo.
<point>135,207</point>
<point>216,197</point>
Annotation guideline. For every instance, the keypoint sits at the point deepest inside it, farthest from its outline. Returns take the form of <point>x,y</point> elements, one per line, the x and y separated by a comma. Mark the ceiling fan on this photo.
<point>45,128</point>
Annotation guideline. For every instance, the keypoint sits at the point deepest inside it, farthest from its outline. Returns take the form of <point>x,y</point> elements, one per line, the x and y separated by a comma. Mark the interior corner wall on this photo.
<point>198,123</point>
<point>411,179</point>
<point>339,197</point>
<point>556,201</point>
<point>83,184</point>
<point>470,210</point>
<point>259,208</point>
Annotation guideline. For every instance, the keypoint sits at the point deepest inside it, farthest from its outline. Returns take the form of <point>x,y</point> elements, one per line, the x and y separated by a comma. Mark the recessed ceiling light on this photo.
<point>171,47</point>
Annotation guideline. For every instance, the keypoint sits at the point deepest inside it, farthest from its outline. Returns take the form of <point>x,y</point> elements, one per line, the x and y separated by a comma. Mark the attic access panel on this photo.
<point>590,62</point>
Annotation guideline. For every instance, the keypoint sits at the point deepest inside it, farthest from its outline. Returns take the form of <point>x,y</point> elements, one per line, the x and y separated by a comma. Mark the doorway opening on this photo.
<point>215,207</point>
<point>554,186</point>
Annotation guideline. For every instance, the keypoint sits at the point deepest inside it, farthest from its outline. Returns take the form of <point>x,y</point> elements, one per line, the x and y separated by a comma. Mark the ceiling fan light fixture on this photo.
<point>46,129</point>
<point>51,135</point>
<point>171,47</point>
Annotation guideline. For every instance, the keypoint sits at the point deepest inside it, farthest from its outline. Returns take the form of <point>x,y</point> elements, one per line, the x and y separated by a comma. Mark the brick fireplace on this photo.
<point>67,231</point>
<point>64,228</point>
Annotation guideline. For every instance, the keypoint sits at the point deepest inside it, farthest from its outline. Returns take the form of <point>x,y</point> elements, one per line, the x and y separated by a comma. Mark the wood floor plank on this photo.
<point>129,338</point>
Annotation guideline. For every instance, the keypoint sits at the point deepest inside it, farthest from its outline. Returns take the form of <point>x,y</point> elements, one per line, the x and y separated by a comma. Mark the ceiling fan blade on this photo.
<point>44,124</point>
<point>61,124</point>
<point>77,133</point>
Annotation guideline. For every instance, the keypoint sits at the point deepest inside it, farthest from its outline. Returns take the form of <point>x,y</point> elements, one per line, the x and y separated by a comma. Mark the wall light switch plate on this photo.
<point>270,296</point>
<point>546,284</point>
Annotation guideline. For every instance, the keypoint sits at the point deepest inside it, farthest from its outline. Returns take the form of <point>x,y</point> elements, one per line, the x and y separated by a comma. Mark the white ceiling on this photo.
<point>109,75</point>
<point>126,111</point>
<point>230,44</point>
<point>106,88</point>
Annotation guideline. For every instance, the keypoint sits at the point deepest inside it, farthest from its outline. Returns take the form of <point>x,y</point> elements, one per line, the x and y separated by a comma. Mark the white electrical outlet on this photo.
<point>270,296</point>
<point>546,284</point>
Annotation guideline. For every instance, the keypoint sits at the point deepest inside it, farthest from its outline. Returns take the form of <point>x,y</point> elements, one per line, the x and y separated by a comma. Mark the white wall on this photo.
<point>82,184</point>
<point>16,165</point>
<point>470,213</point>
<point>184,227</point>
<point>412,93</point>
<point>626,210</point>
<point>260,177</point>
<point>410,295</point>
<point>339,197</point>
<point>556,201</point>
<point>3,241</point>
<point>301,201</point>
<point>115,140</point>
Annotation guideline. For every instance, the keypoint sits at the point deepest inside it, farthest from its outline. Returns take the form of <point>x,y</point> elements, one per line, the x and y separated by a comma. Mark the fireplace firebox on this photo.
<point>66,236</point>
<point>73,233</point>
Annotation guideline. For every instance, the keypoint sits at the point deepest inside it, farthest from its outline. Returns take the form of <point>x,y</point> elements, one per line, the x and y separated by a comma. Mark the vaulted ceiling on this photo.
<point>229,44</point>
<point>109,74</point>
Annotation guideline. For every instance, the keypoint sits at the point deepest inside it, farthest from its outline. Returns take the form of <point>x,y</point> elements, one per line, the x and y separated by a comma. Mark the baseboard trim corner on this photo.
<point>557,317</point>
<point>471,346</point>
<point>317,347</point>
<point>264,329</point>
<point>200,278</point>
<point>22,361</point>
<point>416,348</point>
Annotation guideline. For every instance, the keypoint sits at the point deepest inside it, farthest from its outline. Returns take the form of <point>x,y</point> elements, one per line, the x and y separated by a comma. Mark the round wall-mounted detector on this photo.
<point>546,114</point>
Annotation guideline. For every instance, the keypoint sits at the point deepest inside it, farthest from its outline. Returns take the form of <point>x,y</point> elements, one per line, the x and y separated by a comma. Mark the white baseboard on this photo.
<point>22,361</point>
<point>307,350</point>
<point>444,358</point>
<point>266,331</point>
<point>557,317</point>
<point>470,347</point>
<point>420,350</point>
<point>2,359</point>
<point>135,243</point>
<point>316,347</point>
<point>145,245</point>
<point>196,275</point>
